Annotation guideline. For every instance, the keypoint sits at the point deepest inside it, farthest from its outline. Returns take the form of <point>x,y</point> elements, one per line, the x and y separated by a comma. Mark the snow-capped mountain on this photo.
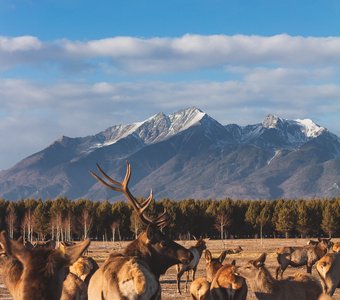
<point>152,130</point>
<point>187,154</point>
<point>277,132</point>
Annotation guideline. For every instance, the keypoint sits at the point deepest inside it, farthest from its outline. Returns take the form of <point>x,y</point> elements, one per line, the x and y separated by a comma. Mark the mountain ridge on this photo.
<point>187,154</point>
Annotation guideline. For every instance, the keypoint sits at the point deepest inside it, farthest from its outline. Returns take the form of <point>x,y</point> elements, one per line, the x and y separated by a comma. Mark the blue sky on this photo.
<point>77,67</point>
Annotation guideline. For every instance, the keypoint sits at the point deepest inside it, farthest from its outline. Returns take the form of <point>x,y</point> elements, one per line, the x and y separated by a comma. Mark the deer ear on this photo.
<point>62,247</point>
<point>319,239</point>
<point>75,251</point>
<point>260,261</point>
<point>208,256</point>
<point>14,248</point>
<point>222,256</point>
<point>233,263</point>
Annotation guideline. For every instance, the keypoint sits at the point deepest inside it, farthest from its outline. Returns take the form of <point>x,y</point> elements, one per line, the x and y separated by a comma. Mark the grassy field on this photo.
<point>252,249</point>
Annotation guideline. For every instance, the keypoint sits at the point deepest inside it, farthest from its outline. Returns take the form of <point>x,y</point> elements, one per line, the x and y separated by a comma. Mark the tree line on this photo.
<point>65,219</point>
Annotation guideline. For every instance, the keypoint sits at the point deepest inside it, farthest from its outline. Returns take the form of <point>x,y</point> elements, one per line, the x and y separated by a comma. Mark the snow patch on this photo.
<point>309,128</point>
<point>277,152</point>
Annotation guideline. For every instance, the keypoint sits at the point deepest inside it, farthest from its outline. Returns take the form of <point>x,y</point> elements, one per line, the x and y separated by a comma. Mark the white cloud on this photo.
<point>189,52</point>
<point>19,44</point>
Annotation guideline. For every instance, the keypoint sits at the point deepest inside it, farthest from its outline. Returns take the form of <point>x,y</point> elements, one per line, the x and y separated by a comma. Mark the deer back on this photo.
<point>124,277</point>
<point>200,289</point>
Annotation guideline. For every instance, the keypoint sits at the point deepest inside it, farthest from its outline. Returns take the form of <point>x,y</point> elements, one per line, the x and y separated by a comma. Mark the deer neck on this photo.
<point>263,283</point>
<point>200,249</point>
<point>320,250</point>
<point>141,249</point>
<point>12,272</point>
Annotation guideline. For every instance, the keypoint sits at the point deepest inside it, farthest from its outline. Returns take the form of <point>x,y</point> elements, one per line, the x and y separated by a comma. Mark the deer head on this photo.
<point>212,265</point>
<point>251,269</point>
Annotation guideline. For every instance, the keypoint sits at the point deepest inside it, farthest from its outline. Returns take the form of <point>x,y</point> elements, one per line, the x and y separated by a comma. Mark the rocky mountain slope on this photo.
<point>187,154</point>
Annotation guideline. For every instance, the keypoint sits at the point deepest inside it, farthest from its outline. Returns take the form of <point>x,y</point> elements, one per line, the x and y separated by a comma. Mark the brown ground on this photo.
<point>252,249</point>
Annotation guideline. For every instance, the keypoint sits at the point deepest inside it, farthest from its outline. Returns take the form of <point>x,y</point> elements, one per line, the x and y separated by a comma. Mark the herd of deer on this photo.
<point>44,271</point>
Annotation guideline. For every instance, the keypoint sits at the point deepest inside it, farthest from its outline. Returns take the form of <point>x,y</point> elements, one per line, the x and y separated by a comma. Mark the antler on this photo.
<point>122,187</point>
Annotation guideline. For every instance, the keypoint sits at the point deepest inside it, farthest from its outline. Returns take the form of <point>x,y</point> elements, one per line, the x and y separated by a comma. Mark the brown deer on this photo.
<point>299,256</point>
<point>222,282</point>
<point>228,284</point>
<point>265,287</point>
<point>328,268</point>
<point>84,268</point>
<point>200,287</point>
<point>36,273</point>
<point>234,250</point>
<point>212,265</point>
<point>134,273</point>
<point>196,251</point>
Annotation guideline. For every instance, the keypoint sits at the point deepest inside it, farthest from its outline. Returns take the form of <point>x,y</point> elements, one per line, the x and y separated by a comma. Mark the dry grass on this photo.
<point>251,249</point>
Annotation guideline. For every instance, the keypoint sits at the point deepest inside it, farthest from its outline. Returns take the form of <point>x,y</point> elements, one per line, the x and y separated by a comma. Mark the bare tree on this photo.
<point>67,224</point>
<point>222,221</point>
<point>86,218</point>
<point>115,227</point>
<point>28,225</point>
<point>136,224</point>
<point>11,219</point>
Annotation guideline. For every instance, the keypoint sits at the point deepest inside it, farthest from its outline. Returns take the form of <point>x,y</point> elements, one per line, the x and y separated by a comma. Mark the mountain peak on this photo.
<point>271,121</point>
<point>185,118</point>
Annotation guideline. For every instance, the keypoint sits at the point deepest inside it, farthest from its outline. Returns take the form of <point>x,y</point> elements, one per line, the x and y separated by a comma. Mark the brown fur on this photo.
<point>299,256</point>
<point>328,268</point>
<point>265,287</point>
<point>74,288</point>
<point>227,284</point>
<point>325,297</point>
<point>36,273</point>
<point>84,268</point>
<point>336,247</point>
<point>197,251</point>
<point>212,265</point>
<point>200,289</point>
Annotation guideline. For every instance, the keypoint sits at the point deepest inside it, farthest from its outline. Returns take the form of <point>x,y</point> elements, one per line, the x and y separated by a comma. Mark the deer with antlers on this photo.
<point>134,273</point>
